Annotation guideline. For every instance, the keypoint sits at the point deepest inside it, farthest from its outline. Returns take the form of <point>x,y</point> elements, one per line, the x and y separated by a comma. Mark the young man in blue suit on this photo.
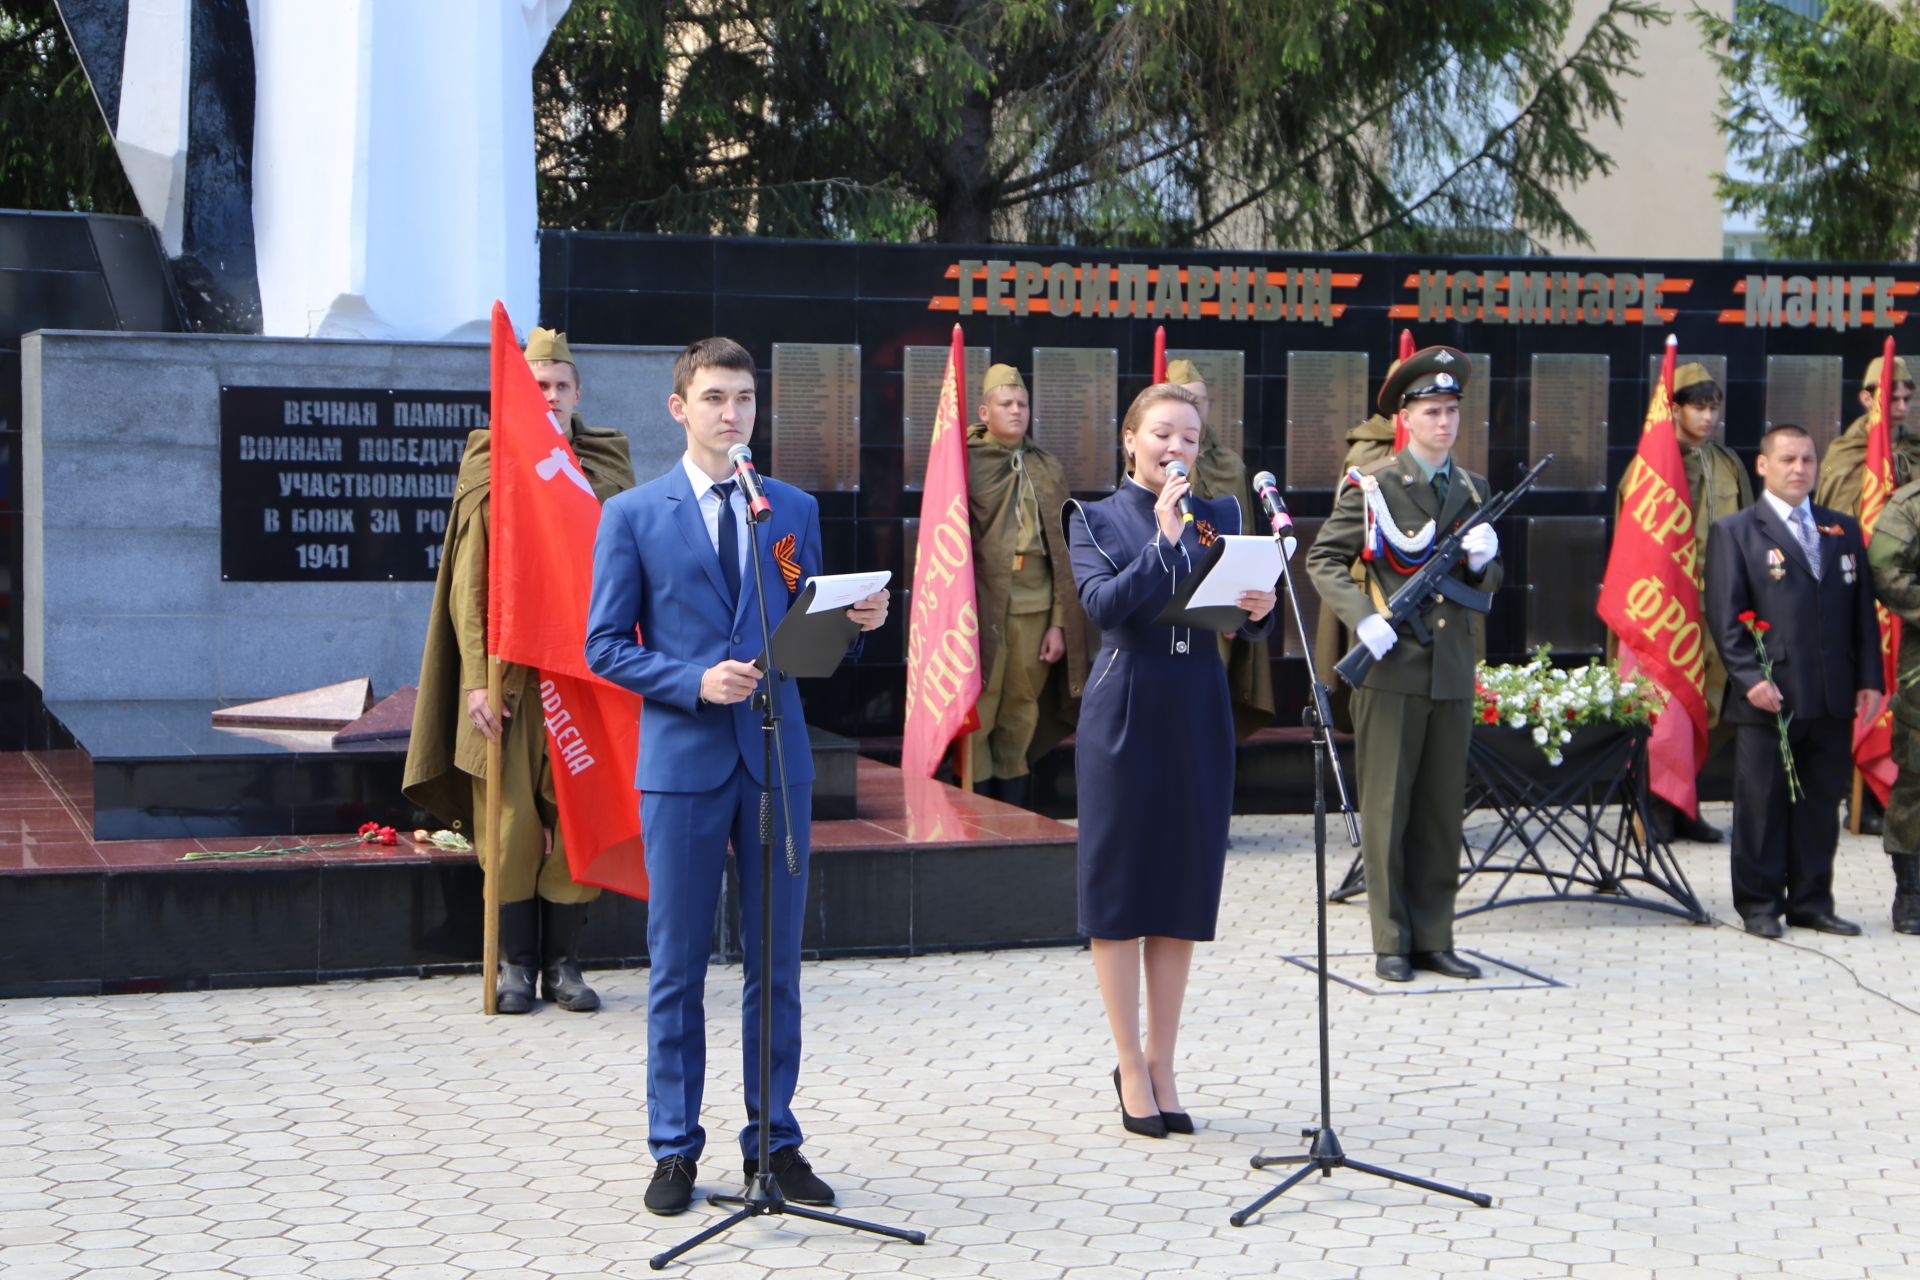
<point>671,559</point>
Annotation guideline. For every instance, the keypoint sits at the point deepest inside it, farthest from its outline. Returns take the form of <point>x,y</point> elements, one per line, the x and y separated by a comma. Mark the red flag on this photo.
<point>1651,597</point>
<point>1159,354</point>
<point>539,580</point>
<point>1873,739</point>
<point>1400,419</point>
<point>943,629</point>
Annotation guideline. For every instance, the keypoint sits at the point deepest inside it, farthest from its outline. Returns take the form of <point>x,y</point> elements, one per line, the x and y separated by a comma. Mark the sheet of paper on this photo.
<point>1248,564</point>
<point>844,590</point>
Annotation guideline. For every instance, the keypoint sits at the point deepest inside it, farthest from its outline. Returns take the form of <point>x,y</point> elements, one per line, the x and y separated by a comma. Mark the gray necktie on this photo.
<point>1809,541</point>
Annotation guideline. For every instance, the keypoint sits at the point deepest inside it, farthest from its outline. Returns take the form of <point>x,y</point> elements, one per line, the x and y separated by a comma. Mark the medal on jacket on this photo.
<point>1846,567</point>
<point>1776,563</point>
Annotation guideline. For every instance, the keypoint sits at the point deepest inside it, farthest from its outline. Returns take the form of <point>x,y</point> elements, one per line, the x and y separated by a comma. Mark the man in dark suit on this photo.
<point>1802,570</point>
<point>671,559</point>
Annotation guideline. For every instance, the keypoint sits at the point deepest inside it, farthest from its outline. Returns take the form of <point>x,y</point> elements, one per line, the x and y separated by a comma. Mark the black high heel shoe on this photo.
<point>1177,1121</point>
<point>1153,1126</point>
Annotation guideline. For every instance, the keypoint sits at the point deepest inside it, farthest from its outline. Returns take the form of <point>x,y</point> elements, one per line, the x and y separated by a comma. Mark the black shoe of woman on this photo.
<point>1177,1121</point>
<point>1153,1126</point>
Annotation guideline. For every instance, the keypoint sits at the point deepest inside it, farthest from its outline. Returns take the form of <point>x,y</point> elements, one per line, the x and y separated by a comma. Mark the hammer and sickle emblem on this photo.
<point>558,461</point>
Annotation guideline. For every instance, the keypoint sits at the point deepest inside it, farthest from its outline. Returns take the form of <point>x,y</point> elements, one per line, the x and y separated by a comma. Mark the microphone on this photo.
<point>1275,508</point>
<point>756,493</point>
<point>1178,471</point>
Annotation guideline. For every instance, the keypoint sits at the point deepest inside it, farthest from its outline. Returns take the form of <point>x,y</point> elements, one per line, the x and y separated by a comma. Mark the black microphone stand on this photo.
<point>762,1197</point>
<point>1324,1152</point>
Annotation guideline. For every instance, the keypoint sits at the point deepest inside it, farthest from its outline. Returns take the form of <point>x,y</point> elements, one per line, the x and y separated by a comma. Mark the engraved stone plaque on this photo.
<point>925,368</point>
<point>1566,558</point>
<point>1716,366</point>
<point>1306,531</point>
<point>1076,392</point>
<point>1568,418</point>
<point>1225,373</point>
<point>1476,415</point>
<point>1326,397</point>
<point>816,415</point>
<point>1805,390</point>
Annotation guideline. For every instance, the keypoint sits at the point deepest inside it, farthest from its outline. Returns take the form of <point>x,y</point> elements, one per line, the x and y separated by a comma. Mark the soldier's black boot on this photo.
<point>561,925</point>
<point>1906,892</point>
<point>519,957</point>
<point>1016,791</point>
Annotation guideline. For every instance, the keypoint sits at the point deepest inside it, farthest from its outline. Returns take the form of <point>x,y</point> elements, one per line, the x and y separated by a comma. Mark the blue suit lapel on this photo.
<point>693,528</point>
<point>747,612</point>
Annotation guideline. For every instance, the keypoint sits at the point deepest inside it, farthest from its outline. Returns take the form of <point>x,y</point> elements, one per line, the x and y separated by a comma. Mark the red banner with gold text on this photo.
<point>1873,739</point>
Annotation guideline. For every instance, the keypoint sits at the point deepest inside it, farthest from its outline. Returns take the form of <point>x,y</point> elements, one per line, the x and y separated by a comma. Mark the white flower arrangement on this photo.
<point>1554,701</point>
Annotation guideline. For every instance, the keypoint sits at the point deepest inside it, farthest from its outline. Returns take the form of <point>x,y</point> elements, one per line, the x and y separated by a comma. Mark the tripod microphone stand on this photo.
<point>762,1197</point>
<point>1324,1153</point>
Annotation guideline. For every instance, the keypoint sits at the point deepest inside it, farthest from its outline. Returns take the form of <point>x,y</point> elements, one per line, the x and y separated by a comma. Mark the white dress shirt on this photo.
<point>709,500</point>
<point>1786,514</point>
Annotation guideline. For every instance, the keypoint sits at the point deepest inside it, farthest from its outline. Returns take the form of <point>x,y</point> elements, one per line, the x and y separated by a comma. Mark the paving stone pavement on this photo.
<point>1687,1102</point>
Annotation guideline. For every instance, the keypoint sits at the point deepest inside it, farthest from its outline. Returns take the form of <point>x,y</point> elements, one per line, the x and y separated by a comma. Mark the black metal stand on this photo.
<point>762,1197</point>
<point>1324,1152</point>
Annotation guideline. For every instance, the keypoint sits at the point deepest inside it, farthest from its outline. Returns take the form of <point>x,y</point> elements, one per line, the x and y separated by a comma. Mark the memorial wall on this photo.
<point>1294,346</point>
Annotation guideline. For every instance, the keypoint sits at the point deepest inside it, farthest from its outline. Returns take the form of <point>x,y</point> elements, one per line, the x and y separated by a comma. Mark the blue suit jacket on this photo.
<point>654,566</point>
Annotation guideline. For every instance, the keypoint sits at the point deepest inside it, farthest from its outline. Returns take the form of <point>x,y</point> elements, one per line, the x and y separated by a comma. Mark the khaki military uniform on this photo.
<point>1894,555</point>
<point>446,756</point>
<point>1024,582</point>
<point>1843,470</point>
<point>1413,716</point>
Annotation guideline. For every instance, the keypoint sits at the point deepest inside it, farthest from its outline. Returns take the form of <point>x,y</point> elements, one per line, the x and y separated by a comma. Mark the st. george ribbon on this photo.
<point>1178,471</point>
<point>1275,507</point>
<point>756,493</point>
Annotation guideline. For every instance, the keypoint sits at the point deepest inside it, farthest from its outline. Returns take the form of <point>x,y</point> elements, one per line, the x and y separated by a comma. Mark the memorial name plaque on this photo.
<point>1076,395</point>
<point>1805,391</point>
<point>1306,530</point>
<point>325,484</point>
<point>816,415</point>
<point>1476,418</point>
<point>1326,397</point>
<point>1225,373</point>
<point>1566,558</point>
<point>924,370</point>
<point>1716,366</point>
<point>1568,418</point>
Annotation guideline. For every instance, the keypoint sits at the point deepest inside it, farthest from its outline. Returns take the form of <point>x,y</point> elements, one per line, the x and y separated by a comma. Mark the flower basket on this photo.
<point>1549,706</point>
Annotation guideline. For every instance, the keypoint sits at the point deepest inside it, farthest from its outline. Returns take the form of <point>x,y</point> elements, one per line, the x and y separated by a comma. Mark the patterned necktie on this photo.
<point>1440,487</point>
<point>729,541</point>
<point>1803,530</point>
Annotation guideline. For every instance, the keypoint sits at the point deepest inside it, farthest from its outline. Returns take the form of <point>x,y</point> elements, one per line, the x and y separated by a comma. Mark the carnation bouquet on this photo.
<point>1554,701</point>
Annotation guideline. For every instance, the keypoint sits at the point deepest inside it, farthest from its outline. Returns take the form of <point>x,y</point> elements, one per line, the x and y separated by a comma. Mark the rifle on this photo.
<point>1433,580</point>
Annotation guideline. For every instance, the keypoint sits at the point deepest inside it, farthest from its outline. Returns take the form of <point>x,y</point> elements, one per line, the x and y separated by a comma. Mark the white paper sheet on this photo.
<point>844,590</point>
<point>1248,564</point>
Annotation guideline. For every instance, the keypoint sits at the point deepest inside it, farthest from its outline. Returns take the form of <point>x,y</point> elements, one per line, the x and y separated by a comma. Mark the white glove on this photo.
<point>1377,634</point>
<point>1481,544</point>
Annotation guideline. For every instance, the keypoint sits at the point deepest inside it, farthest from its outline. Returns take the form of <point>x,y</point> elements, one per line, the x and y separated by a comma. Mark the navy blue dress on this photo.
<point>1153,754</point>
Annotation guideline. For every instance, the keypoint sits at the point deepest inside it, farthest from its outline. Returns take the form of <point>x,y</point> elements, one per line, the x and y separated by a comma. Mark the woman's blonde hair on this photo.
<point>1155,394</point>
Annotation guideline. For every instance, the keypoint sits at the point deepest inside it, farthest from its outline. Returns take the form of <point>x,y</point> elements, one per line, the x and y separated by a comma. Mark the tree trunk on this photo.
<point>964,206</point>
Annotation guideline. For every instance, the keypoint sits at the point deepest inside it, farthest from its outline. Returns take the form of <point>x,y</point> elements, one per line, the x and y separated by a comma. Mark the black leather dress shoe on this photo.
<point>1393,968</point>
<point>798,1182</point>
<point>1764,926</point>
<point>671,1189</point>
<point>1698,829</point>
<point>1153,1126</point>
<point>1445,963</point>
<point>1826,923</point>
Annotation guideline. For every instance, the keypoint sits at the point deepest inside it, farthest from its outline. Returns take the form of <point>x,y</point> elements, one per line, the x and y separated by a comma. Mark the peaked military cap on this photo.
<point>1001,375</point>
<point>1900,373</point>
<point>1430,371</point>
<point>1184,371</point>
<point>547,344</point>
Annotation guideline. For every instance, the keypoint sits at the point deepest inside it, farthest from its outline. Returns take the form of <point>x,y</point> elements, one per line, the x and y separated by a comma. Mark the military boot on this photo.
<point>561,925</point>
<point>519,957</point>
<point>1906,892</point>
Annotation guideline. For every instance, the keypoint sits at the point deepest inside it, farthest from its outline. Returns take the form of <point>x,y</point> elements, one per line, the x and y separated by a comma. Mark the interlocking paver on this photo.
<point>1689,1103</point>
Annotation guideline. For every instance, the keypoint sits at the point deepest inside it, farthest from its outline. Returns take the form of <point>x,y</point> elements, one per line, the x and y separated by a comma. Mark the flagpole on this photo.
<point>490,849</point>
<point>966,761</point>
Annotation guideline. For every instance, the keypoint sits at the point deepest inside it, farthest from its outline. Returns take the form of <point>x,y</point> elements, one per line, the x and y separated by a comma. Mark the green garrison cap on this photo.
<point>1430,371</point>
<point>1184,371</point>
<point>547,344</point>
<point>1900,373</point>
<point>1002,375</point>
<point>1689,374</point>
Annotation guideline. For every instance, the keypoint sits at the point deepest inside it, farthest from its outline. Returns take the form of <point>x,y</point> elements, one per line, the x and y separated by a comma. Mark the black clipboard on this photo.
<point>1224,618</point>
<point>810,644</point>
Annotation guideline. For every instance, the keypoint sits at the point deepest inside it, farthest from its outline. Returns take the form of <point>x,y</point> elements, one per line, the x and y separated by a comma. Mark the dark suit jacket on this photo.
<point>1824,640</point>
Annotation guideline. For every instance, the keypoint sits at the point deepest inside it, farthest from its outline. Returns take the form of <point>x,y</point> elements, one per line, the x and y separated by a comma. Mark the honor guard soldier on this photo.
<point>1843,471</point>
<point>1219,472</point>
<point>1719,486</point>
<point>542,909</point>
<point>1413,715</point>
<point>1032,631</point>
<point>1894,555</point>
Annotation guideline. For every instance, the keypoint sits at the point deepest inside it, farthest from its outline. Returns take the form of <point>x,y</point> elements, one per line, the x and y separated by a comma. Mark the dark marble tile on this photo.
<point>54,300</point>
<point>54,932</point>
<point>161,924</point>
<point>860,900</point>
<point>45,242</point>
<point>647,264</point>
<point>394,916</point>
<point>135,270</point>
<point>638,319</point>
<point>966,898</point>
<point>782,269</point>
<point>616,931</point>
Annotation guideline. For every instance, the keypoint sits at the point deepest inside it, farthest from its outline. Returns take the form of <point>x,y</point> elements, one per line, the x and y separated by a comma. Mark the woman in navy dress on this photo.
<point>1153,760</point>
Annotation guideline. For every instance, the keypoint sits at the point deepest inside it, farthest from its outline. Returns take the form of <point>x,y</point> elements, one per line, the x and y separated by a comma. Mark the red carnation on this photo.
<point>1748,615</point>
<point>1763,625</point>
<point>1491,715</point>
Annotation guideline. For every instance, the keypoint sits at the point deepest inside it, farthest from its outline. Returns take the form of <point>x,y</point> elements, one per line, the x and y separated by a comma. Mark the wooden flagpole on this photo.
<point>490,849</point>
<point>965,741</point>
<point>1853,810</point>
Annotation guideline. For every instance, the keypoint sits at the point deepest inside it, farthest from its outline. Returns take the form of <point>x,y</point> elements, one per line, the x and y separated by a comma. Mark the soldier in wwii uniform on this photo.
<point>1894,555</point>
